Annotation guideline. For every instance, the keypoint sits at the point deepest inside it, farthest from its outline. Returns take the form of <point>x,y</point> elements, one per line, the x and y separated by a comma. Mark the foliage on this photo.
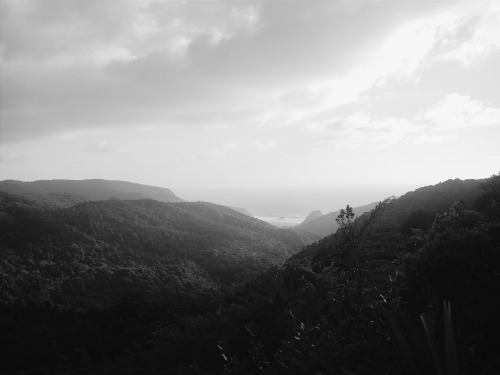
<point>350,303</point>
<point>93,253</point>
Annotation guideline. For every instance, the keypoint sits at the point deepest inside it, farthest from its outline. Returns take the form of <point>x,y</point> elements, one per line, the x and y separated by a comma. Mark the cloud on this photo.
<point>462,32</point>
<point>9,157</point>
<point>432,138</point>
<point>401,55</point>
<point>430,126</point>
<point>471,38</point>
<point>265,146</point>
<point>457,111</point>
<point>103,146</point>
<point>245,17</point>
<point>114,64</point>
<point>227,148</point>
<point>361,131</point>
<point>43,31</point>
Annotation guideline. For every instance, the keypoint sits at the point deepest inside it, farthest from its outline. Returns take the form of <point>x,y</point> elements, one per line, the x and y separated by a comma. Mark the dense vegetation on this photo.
<point>351,303</point>
<point>93,253</point>
<point>422,204</point>
<point>324,225</point>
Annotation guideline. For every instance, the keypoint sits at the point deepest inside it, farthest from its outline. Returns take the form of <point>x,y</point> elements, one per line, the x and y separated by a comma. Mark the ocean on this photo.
<point>290,205</point>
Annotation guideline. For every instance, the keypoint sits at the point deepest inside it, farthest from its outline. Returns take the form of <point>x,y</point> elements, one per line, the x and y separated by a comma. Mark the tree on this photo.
<point>345,219</point>
<point>346,234</point>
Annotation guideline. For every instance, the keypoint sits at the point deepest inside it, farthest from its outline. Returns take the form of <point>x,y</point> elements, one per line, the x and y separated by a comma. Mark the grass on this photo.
<point>450,366</point>
<point>450,352</point>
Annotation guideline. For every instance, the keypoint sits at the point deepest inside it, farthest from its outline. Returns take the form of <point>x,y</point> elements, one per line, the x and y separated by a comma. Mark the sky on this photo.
<point>206,94</point>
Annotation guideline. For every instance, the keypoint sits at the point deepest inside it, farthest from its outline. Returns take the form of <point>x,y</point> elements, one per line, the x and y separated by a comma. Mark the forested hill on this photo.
<point>415,208</point>
<point>379,296</point>
<point>374,297</point>
<point>93,253</point>
<point>413,211</point>
<point>390,292</point>
<point>324,225</point>
<point>95,189</point>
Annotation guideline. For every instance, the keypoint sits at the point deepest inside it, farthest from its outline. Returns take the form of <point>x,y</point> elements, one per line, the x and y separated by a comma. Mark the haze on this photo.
<point>205,94</point>
<point>293,202</point>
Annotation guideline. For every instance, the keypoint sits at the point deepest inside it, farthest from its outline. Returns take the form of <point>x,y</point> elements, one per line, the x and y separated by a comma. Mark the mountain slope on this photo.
<point>352,302</point>
<point>95,189</point>
<point>94,252</point>
<point>313,215</point>
<point>241,210</point>
<point>414,209</point>
<point>324,225</point>
<point>437,198</point>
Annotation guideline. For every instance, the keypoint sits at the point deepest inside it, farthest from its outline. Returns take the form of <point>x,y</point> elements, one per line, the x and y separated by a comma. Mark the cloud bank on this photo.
<point>266,77</point>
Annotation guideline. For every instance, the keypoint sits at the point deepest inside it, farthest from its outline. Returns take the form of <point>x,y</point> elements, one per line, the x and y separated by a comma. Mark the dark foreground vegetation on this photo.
<point>412,287</point>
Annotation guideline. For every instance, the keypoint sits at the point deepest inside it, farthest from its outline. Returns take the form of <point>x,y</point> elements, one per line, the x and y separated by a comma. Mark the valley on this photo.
<point>194,287</point>
<point>280,187</point>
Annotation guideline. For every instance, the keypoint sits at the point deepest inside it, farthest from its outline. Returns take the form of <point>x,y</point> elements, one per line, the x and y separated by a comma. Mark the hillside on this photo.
<point>313,215</point>
<point>413,209</point>
<point>354,302</point>
<point>324,225</point>
<point>416,209</point>
<point>93,253</point>
<point>388,293</point>
<point>241,210</point>
<point>91,189</point>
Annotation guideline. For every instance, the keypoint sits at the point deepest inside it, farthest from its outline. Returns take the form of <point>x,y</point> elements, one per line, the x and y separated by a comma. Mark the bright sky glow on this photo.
<point>250,93</point>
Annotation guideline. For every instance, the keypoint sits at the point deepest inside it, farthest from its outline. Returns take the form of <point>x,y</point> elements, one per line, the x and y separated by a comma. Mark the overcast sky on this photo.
<point>244,93</point>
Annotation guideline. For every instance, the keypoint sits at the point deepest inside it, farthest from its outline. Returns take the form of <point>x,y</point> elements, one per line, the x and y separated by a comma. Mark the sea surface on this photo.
<point>293,204</point>
<point>283,221</point>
